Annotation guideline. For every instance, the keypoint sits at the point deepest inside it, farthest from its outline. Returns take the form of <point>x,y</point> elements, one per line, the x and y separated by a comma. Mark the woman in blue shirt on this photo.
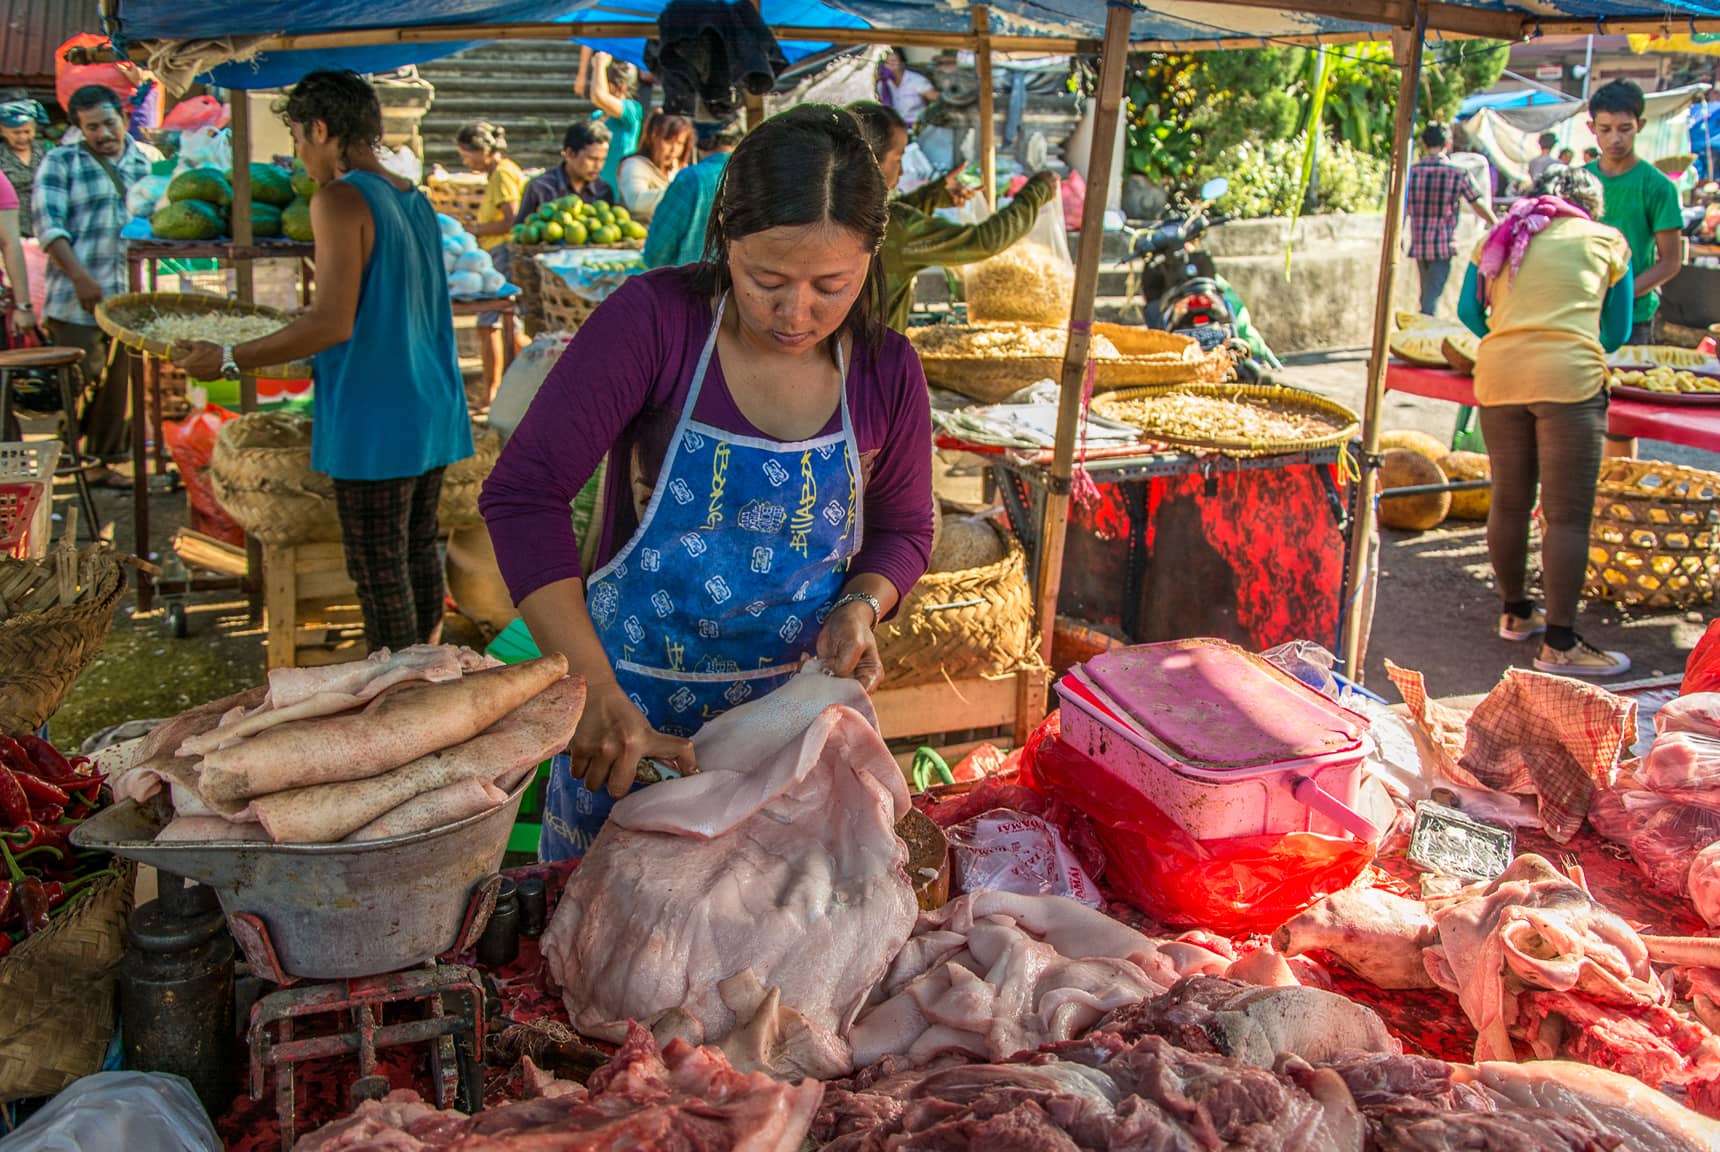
<point>389,410</point>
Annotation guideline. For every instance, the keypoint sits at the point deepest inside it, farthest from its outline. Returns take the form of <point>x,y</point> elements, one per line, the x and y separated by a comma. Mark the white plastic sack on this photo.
<point>1007,851</point>
<point>142,198</point>
<point>404,163</point>
<point>520,383</point>
<point>205,148</point>
<point>136,1111</point>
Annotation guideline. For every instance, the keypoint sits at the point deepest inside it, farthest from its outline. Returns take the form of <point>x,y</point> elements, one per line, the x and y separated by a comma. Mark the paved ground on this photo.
<point>1437,609</point>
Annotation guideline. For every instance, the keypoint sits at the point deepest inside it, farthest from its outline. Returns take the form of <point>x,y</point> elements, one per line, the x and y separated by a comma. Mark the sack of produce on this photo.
<point>262,476</point>
<point>1031,282</point>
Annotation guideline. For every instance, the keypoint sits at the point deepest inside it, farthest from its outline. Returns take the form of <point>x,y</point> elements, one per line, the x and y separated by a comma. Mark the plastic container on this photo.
<point>24,520</point>
<point>1223,742</point>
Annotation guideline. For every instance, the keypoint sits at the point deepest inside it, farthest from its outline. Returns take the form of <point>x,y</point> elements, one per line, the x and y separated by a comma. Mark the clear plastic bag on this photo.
<point>1683,766</point>
<point>134,1111</point>
<point>1663,835</point>
<point>1031,282</point>
<point>1007,851</point>
<point>1697,713</point>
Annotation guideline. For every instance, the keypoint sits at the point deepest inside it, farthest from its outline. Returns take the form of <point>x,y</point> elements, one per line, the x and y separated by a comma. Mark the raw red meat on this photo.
<point>1704,881</point>
<point>1698,713</point>
<point>1650,1042</point>
<point>1683,766</point>
<point>680,1098</point>
<point>1663,835</point>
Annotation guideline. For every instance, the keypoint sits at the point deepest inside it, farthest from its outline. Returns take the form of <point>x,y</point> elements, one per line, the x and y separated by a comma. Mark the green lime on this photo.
<point>547,212</point>
<point>622,216</point>
<point>531,234</point>
<point>552,233</point>
<point>577,234</point>
<point>633,230</point>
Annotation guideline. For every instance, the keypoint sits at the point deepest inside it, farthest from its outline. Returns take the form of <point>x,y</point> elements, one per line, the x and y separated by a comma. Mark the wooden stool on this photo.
<point>67,364</point>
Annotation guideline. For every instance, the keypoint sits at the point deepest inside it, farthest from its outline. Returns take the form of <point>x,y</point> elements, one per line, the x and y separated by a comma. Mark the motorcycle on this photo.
<point>1182,292</point>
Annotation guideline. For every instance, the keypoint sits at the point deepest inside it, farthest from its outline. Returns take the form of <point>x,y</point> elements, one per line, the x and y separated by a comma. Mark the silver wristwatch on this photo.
<point>229,367</point>
<point>861,598</point>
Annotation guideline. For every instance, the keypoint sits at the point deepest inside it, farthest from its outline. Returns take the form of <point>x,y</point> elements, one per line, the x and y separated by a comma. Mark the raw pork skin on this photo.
<point>771,883</point>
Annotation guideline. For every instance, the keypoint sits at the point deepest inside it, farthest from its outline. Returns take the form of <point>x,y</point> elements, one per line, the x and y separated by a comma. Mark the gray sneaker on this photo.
<point>1582,660</point>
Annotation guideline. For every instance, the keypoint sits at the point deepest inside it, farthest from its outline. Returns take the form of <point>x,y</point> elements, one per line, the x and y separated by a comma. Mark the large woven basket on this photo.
<point>523,270</point>
<point>977,622</point>
<point>463,480</point>
<point>1344,423</point>
<point>261,472</point>
<point>1152,358</point>
<point>127,317</point>
<point>57,992</point>
<point>564,309</point>
<point>42,653</point>
<point>989,379</point>
<point>1655,539</point>
<point>457,196</point>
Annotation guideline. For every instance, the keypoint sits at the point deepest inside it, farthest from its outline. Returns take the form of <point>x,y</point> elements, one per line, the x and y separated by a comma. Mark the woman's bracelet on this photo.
<point>866,598</point>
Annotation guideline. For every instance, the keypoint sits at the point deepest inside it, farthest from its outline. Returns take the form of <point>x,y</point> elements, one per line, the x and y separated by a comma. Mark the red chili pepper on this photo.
<point>5,900</point>
<point>40,791</point>
<point>32,834</point>
<point>5,943</point>
<point>42,759</point>
<point>32,896</point>
<point>66,892</point>
<point>14,804</point>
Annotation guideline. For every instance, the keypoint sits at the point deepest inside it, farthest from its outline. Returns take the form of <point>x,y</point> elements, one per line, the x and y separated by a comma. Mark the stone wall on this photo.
<point>1328,302</point>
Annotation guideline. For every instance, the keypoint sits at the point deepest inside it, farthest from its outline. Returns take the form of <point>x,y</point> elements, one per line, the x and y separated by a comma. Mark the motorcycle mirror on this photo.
<point>1214,188</point>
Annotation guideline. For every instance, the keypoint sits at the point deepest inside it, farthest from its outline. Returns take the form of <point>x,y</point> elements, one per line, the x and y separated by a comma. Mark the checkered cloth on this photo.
<point>1438,189</point>
<point>74,200</point>
<point>1550,737</point>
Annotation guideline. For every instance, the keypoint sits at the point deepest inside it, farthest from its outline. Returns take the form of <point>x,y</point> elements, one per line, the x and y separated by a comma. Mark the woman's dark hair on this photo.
<point>1577,185</point>
<point>343,101</point>
<point>662,129</point>
<point>879,122</point>
<point>1619,96</point>
<point>89,98</point>
<point>482,137</point>
<point>808,165</point>
<point>582,135</point>
<point>1435,136</point>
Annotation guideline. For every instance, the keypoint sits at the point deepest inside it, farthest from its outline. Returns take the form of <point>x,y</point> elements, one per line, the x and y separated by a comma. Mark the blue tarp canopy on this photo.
<point>1500,101</point>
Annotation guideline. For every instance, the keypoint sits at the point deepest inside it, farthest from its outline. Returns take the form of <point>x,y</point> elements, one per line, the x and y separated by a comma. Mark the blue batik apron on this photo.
<point>741,552</point>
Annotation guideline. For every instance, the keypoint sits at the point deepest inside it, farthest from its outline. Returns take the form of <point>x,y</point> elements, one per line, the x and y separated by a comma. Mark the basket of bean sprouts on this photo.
<point>1234,419</point>
<point>153,322</point>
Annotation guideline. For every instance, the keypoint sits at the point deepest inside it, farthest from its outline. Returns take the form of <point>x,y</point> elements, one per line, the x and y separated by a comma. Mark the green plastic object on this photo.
<point>514,645</point>
<point>1466,434</point>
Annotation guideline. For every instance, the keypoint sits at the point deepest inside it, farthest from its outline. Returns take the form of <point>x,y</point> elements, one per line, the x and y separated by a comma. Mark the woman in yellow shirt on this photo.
<point>484,149</point>
<point>1550,294</point>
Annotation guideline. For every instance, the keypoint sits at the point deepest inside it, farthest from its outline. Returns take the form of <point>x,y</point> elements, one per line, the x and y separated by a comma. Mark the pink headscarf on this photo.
<point>1510,238</point>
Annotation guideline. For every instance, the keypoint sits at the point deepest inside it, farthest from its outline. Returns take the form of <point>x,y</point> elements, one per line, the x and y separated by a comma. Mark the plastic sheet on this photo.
<point>1008,851</point>
<point>1245,884</point>
<point>134,1111</point>
<point>191,443</point>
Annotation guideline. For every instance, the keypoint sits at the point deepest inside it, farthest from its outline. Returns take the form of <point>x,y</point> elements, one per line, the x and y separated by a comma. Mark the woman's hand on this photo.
<point>613,736</point>
<point>959,193</point>
<point>848,646</point>
<point>23,321</point>
<point>198,359</point>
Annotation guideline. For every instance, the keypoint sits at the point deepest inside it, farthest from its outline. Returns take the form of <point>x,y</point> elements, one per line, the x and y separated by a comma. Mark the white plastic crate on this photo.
<point>33,461</point>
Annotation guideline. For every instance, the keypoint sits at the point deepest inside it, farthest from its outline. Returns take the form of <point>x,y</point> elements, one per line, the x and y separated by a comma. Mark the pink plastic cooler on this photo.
<point>1224,742</point>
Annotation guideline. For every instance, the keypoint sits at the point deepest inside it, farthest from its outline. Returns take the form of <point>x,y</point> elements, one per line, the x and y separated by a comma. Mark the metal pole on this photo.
<point>987,105</point>
<point>1588,68</point>
<point>1407,51</point>
<point>1113,63</point>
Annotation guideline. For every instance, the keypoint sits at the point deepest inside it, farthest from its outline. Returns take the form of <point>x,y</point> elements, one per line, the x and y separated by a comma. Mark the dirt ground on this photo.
<point>1436,607</point>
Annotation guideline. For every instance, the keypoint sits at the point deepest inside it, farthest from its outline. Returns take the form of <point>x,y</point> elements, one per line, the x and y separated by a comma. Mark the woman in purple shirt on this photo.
<point>769,491</point>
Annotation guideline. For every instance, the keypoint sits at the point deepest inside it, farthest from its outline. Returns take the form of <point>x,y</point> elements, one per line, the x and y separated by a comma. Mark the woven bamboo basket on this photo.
<point>564,310</point>
<point>1150,358</point>
<point>523,270</point>
<point>463,480</point>
<point>126,318</point>
<point>976,622</point>
<point>261,473</point>
<point>42,653</point>
<point>458,196</point>
<point>1655,539</point>
<point>1113,407</point>
<point>57,992</point>
<point>989,379</point>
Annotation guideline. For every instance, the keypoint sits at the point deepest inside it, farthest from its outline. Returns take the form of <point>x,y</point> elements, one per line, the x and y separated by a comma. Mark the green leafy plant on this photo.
<point>1264,179</point>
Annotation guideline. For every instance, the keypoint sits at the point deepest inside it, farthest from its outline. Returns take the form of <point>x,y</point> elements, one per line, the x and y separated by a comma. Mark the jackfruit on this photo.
<point>296,221</point>
<point>265,220</point>
<point>187,220</point>
<point>270,185</point>
<point>205,184</point>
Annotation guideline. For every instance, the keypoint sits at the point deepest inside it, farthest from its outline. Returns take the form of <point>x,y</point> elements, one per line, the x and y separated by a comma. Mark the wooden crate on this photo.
<point>310,606</point>
<point>944,715</point>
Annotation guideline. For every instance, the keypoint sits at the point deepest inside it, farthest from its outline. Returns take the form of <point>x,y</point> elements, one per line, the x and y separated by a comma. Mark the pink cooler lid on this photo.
<point>1215,706</point>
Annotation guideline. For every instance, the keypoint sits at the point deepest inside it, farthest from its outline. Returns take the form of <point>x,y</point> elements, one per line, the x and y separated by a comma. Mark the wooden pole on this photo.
<point>987,105</point>
<point>755,104</point>
<point>243,236</point>
<point>1406,51</point>
<point>1055,529</point>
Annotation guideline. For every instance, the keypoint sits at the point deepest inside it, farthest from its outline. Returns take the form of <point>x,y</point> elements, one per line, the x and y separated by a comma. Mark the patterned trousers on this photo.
<point>389,530</point>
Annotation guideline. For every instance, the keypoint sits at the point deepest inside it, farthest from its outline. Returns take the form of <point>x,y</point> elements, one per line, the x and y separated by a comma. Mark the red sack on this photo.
<point>197,112</point>
<point>69,77</point>
<point>1702,670</point>
<point>191,443</point>
<point>1246,884</point>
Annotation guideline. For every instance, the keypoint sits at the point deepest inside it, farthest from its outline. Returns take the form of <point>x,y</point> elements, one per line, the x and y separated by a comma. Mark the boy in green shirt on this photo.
<point>1640,201</point>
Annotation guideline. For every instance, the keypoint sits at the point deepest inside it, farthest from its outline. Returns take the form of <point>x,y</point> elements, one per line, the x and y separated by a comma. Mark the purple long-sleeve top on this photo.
<point>619,390</point>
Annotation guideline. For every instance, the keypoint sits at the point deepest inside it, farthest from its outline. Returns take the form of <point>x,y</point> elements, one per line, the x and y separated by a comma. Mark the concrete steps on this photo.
<point>526,87</point>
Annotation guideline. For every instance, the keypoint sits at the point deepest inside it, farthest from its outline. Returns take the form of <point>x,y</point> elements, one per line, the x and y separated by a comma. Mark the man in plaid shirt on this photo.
<point>1438,189</point>
<point>79,206</point>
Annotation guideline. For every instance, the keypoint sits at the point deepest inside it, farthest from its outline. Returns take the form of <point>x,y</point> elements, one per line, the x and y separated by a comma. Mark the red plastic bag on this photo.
<point>1702,670</point>
<point>69,77</point>
<point>985,762</point>
<point>197,112</point>
<point>191,443</point>
<point>1074,200</point>
<point>1246,884</point>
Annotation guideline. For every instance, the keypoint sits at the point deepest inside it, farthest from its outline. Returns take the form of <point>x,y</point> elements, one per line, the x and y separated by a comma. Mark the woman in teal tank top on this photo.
<point>389,411</point>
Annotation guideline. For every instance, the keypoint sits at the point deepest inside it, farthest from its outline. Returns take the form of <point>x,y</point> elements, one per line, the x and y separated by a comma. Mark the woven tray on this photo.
<point>1113,407</point>
<point>43,653</point>
<point>124,318</point>
<point>57,992</point>
<point>989,379</point>
<point>977,622</point>
<point>457,197</point>
<point>1655,539</point>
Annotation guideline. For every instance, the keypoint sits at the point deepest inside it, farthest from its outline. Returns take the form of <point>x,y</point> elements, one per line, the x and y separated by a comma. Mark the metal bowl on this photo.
<point>333,911</point>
